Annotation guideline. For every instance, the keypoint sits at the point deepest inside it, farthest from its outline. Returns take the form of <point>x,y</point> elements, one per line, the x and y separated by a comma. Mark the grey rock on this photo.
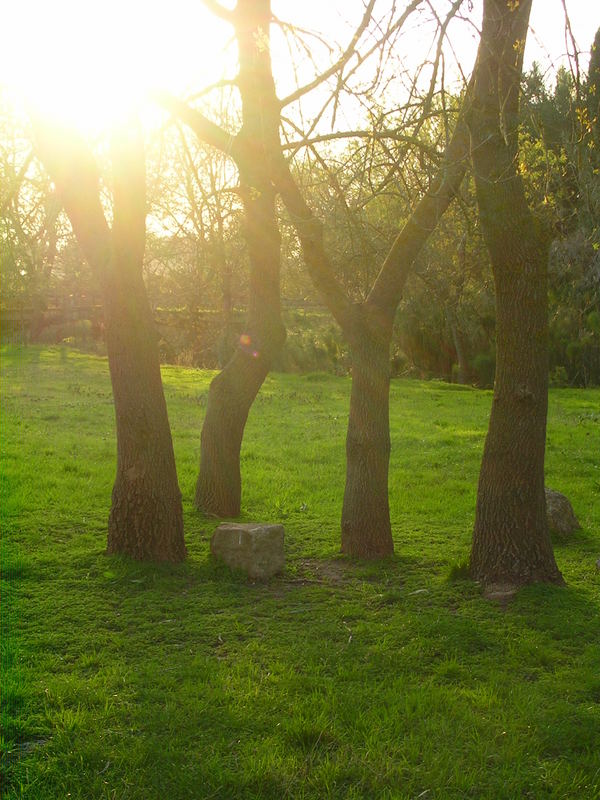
<point>255,548</point>
<point>560,514</point>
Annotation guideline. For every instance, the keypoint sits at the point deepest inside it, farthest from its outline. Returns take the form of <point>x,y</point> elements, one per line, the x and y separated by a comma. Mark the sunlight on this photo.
<point>88,64</point>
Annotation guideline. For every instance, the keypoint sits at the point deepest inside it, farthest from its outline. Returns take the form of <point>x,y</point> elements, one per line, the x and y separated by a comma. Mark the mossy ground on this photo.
<point>335,680</point>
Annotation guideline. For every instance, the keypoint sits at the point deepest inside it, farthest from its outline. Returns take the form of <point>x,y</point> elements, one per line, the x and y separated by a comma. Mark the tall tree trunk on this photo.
<point>366,527</point>
<point>232,392</point>
<point>146,520</point>
<point>511,542</point>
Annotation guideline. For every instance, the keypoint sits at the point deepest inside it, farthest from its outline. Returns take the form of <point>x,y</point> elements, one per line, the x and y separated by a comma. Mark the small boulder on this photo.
<point>561,517</point>
<point>255,548</point>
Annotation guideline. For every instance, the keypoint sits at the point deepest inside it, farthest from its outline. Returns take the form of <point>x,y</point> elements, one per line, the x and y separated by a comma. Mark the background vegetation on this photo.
<point>196,270</point>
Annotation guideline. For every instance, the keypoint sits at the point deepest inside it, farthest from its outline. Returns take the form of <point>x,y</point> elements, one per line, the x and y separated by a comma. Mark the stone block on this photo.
<point>255,548</point>
<point>561,517</point>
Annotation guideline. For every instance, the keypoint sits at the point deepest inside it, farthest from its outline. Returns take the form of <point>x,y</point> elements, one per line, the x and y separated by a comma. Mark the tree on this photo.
<point>233,390</point>
<point>511,542</point>
<point>367,327</point>
<point>146,519</point>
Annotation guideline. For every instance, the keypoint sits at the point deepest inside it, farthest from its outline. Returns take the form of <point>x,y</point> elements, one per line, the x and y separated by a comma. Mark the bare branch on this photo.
<point>574,57</point>
<point>287,28</point>
<point>388,287</point>
<point>72,167</point>
<point>386,36</point>
<point>207,131</point>
<point>334,68</point>
<point>443,27</point>
<point>222,84</point>
<point>310,232</point>
<point>369,135</point>
<point>19,178</point>
<point>218,10</point>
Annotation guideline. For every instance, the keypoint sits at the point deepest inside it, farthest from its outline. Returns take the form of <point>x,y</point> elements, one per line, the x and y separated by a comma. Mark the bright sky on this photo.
<point>89,60</point>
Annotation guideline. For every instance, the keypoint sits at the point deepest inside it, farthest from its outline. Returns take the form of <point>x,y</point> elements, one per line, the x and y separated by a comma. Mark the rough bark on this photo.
<point>231,394</point>
<point>145,521</point>
<point>511,543</point>
<point>366,527</point>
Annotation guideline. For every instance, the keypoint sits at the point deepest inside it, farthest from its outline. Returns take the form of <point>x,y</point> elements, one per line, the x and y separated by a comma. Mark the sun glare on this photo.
<point>89,63</point>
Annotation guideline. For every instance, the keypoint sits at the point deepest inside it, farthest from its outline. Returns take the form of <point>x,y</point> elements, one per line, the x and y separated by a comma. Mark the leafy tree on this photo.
<point>559,163</point>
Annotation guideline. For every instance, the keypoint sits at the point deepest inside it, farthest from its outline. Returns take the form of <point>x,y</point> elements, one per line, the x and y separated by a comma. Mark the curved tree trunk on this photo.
<point>511,542</point>
<point>366,527</point>
<point>232,392</point>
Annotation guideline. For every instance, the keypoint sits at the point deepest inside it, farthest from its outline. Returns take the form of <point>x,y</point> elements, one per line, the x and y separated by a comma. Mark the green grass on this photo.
<point>335,680</point>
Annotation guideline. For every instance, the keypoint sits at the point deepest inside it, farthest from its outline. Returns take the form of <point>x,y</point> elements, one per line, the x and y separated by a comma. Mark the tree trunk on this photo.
<point>146,516</point>
<point>146,519</point>
<point>232,392</point>
<point>366,528</point>
<point>511,542</point>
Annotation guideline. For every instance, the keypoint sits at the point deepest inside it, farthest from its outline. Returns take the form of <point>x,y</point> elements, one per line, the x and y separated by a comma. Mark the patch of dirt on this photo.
<point>335,572</point>
<point>330,570</point>
<point>502,593</point>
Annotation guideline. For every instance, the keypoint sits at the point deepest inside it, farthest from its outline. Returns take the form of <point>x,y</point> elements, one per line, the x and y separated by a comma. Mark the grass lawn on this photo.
<point>335,680</point>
